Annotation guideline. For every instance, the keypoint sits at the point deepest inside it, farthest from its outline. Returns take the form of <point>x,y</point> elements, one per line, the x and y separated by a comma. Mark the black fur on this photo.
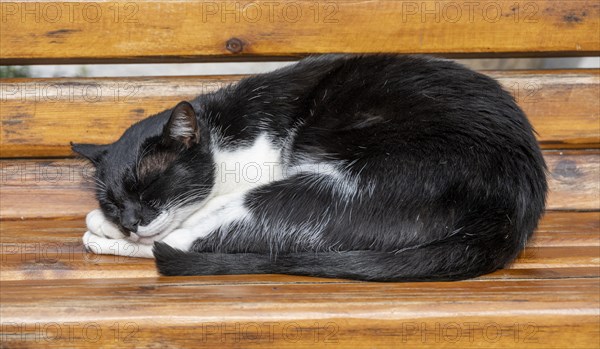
<point>450,179</point>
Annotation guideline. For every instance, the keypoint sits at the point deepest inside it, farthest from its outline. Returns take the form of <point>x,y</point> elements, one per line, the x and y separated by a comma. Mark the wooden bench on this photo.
<point>53,294</point>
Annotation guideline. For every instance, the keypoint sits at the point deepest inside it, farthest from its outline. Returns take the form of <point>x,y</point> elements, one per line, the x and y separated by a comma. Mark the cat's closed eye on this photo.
<point>148,183</point>
<point>148,195</point>
<point>111,208</point>
<point>152,203</point>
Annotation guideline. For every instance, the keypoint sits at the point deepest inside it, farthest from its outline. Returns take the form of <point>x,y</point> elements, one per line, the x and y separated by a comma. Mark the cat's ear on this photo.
<point>182,126</point>
<point>92,152</point>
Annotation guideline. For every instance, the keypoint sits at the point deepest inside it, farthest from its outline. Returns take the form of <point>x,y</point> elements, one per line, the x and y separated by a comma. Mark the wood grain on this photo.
<point>556,229</point>
<point>190,312</point>
<point>568,229</point>
<point>39,117</point>
<point>51,249</point>
<point>573,179</point>
<point>138,31</point>
<point>63,188</point>
<point>63,260</point>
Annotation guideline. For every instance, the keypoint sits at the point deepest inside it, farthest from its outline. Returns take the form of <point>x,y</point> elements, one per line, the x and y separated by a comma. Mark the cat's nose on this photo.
<point>130,222</point>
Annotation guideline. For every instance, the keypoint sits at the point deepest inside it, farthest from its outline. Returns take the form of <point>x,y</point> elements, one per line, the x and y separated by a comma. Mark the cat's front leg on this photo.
<point>99,225</point>
<point>195,220</point>
<point>104,237</point>
<point>119,247</point>
<point>219,213</point>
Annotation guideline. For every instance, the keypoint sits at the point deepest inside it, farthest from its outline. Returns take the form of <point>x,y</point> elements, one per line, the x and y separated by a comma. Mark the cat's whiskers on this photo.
<point>180,196</point>
<point>99,183</point>
<point>182,203</point>
<point>192,196</point>
<point>185,198</point>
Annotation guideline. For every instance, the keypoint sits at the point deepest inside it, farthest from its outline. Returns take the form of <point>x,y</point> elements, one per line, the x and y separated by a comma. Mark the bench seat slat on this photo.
<point>23,261</point>
<point>557,313</point>
<point>556,229</point>
<point>62,188</point>
<point>51,249</point>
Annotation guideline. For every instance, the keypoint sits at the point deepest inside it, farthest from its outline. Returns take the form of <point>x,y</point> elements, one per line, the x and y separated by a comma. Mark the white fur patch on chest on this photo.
<point>246,168</point>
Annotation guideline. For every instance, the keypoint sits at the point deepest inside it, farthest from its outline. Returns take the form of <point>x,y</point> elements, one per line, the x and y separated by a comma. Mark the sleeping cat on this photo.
<point>379,167</point>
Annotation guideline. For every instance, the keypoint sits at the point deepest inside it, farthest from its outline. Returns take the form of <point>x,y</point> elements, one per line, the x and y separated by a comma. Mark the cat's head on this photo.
<point>156,174</point>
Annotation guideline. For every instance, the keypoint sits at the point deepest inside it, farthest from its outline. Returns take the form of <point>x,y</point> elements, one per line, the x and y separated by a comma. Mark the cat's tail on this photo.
<point>437,262</point>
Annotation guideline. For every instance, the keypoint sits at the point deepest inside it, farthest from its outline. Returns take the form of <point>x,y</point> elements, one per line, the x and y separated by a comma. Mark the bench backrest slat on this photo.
<point>41,116</point>
<point>169,31</point>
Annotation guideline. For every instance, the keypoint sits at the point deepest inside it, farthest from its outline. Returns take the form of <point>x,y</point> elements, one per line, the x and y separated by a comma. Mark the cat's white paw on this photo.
<point>119,247</point>
<point>99,225</point>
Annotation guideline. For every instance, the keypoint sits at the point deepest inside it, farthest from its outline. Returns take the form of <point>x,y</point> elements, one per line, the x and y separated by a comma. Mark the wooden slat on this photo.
<point>573,179</point>
<point>563,106</point>
<point>556,229</point>
<point>51,249</point>
<point>158,31</point>
<point>568,229</point>
<point>570,223</point>
<point>190,312</point>
<point>558,257</point>
<point>68,261</point>
<point>62,188</point>
<point>40,117</point>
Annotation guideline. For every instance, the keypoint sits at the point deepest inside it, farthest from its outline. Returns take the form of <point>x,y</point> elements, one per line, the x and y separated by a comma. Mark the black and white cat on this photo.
<point>380,167</point>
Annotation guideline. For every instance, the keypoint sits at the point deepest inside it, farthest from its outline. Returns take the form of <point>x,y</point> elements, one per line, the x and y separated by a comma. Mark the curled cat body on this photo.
<point>368,167</point>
